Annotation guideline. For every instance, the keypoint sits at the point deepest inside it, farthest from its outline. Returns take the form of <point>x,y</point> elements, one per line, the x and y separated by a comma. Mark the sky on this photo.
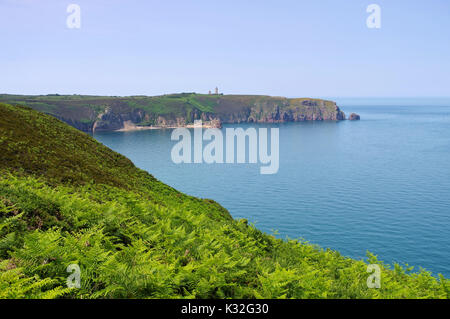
<point>299,48</point>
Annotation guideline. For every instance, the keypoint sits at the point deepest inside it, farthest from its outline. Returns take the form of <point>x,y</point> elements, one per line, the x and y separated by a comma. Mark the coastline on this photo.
<point>128,126</point>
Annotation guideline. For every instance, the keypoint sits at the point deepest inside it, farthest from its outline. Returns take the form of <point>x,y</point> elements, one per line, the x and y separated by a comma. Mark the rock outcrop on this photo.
<point>354,117</point>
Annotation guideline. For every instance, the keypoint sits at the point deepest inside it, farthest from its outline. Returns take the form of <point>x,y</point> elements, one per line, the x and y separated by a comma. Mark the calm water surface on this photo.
<point>380,184</point>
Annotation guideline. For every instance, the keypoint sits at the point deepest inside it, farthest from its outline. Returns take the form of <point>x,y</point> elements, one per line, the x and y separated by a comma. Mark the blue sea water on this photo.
<point>380,184</point>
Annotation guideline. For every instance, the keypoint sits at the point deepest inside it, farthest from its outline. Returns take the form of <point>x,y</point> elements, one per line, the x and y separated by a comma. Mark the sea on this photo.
<point>381,184</point>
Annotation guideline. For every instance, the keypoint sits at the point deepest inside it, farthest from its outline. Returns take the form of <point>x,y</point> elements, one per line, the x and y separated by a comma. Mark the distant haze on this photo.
<point>286,48</point>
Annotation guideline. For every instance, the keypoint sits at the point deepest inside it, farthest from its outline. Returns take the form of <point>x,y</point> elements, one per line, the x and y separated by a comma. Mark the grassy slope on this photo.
<point>67,199</point>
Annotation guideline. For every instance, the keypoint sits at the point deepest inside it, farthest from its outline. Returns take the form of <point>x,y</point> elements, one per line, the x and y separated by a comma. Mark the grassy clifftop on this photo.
<point>66,199</point>
<point>89,113</point>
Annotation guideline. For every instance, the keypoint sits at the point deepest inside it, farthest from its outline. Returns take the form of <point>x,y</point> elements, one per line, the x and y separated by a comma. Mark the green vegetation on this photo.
<point>67,199</point>
<point>86,108</point>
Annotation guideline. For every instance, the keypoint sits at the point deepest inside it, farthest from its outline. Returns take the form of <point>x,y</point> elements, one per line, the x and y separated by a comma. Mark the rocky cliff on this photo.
<point>96,113</point>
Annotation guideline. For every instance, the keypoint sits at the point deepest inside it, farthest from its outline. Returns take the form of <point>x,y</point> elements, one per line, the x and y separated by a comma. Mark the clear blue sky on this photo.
<point>292,48</point>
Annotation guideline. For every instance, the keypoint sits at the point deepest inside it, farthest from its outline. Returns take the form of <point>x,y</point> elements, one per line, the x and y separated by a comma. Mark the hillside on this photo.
<point>67,199</point>
<point>102,113</point>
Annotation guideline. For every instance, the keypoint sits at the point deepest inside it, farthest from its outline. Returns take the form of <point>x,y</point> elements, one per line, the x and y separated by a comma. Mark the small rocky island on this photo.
<point>354,117</point>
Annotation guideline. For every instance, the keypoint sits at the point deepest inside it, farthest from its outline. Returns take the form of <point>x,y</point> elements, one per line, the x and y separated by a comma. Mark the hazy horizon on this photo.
<point>233,93</point>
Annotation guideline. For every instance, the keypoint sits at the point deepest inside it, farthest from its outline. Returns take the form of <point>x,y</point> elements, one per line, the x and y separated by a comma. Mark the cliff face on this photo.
<point>96,113</point>
<point>277,110</point>
<point>111,120</point>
